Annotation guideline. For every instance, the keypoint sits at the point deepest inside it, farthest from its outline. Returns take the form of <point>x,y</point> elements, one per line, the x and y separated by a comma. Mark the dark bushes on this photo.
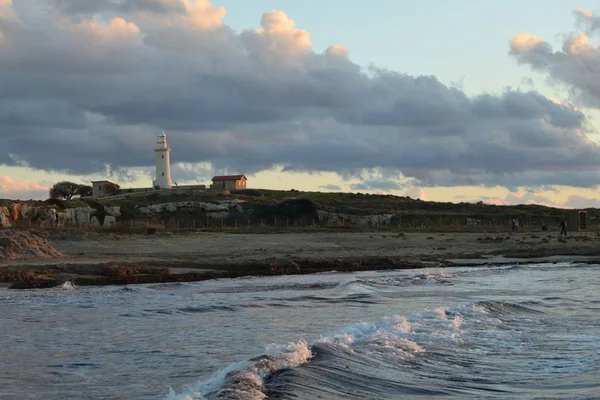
<point>291,208</point>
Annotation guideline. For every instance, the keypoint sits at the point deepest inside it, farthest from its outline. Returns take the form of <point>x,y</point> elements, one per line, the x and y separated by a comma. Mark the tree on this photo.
<point>84,190</point>
<point>64,190</point>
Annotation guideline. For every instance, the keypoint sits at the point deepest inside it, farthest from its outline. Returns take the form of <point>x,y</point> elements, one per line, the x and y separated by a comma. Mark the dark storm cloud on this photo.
<point>80,95</point>
<point>90,7</point>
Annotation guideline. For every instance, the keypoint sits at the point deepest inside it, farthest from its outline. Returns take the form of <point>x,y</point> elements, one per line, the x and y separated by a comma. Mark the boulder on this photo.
<point>79,216</point>
<point>110,222</point>
<point>220,207</point>
<point>360,220</point>
<point>5,220</point>
<point>114,211</point>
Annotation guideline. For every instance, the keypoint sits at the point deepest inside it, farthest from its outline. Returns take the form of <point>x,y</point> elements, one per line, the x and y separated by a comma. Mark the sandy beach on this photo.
<point>100,258</point>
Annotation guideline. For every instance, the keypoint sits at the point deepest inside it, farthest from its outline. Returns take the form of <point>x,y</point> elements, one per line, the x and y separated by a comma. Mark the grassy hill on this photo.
<point>293,205</point>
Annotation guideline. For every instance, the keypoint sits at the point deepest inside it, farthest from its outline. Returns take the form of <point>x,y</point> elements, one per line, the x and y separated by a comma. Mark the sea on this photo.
<point>485,332</point>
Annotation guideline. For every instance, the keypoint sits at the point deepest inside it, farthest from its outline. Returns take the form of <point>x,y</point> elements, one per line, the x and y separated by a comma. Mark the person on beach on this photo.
<point>514,225</point>
<point>563,227</point>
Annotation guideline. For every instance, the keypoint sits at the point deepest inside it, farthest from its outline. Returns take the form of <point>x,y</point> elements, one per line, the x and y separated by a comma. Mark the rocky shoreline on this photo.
<point>93,259</point>
<point>48,276</point>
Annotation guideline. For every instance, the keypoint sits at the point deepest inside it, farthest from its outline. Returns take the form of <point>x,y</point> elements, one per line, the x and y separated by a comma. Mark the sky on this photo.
<point>446,101</point>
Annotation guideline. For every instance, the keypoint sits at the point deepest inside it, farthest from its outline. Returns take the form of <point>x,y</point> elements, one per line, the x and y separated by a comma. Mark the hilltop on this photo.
<point>274,207</point>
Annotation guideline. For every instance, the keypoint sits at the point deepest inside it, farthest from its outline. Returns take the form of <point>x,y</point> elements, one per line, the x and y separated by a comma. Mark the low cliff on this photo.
<point>46,216</point>
<point>271,207</point>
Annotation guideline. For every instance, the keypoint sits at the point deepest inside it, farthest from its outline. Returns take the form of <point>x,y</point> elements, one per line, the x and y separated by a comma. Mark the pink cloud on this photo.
<point>22,190</point>
<point>417,193</point>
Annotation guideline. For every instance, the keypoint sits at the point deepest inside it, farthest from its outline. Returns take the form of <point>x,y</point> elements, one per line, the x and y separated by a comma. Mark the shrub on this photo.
<point>58,203</point>
<point>248,192</point>
<point>64,190</point>
<point>291,208</point>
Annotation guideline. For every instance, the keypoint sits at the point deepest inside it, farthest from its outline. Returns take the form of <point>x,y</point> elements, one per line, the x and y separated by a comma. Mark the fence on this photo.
<point>405,223</point>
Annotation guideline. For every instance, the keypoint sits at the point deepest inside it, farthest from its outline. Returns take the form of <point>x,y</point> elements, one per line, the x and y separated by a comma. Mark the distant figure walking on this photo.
<point>563,227</point>
<point>514,224</point>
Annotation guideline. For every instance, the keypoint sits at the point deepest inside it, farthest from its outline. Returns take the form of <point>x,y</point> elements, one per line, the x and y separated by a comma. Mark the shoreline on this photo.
<point>115,259</point>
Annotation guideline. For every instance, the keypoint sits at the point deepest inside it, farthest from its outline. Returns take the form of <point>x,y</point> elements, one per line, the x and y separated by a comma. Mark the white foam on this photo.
<point>247,378</point>
<point>68,285</point>
<point>457,321</point>
<point>385,339</point>
<point>440,312</point>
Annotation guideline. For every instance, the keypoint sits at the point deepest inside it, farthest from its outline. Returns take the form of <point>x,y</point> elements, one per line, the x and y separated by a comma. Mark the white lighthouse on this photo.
<point>163,163</point>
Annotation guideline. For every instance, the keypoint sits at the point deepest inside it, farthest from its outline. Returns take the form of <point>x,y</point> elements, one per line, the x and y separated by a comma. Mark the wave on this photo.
<point>245,380</point>
<point>206,309</point>
<point>353,357</point>
<point>499,308</point>
<point>372,285</point>
<point>458,351</point>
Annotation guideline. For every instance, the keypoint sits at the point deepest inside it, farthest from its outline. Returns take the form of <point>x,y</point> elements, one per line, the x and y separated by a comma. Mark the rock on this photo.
<point>220,207</point>
<point>5,221</point>
<point>25,211</point>
<point>114,211</point>
<point>36,284</point>
<point>79,216</point>
<point>360,220</point>
<point>110,222</point>
<point>219,215</point>
<point>17,244</point>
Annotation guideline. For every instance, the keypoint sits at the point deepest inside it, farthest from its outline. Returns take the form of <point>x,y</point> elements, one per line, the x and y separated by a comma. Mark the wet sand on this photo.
<point>93,258</point>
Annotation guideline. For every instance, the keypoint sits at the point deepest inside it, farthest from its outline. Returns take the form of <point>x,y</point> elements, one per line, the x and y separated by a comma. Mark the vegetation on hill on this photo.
<point>68,190</point>
<point>279,204</point>
<point>264,203</point>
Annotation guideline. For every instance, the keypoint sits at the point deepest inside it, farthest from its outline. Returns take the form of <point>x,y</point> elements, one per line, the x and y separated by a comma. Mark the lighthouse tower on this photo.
<point>163,163</point>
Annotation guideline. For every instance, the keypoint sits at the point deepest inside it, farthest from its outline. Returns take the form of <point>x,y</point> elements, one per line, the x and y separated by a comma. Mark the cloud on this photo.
<point>90,7</point>
<point>377,185</point>
<point>21,190</point>
<point>88,84</point>
<point>417,193</point>
<point>577,201</point>
<point>575,65</point>
<point>333,188</point>
<point>522,197</point>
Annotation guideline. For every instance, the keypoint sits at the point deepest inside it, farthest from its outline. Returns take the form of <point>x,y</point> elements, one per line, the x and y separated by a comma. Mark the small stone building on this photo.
<point>230,182</point>
<point>104,188</point>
